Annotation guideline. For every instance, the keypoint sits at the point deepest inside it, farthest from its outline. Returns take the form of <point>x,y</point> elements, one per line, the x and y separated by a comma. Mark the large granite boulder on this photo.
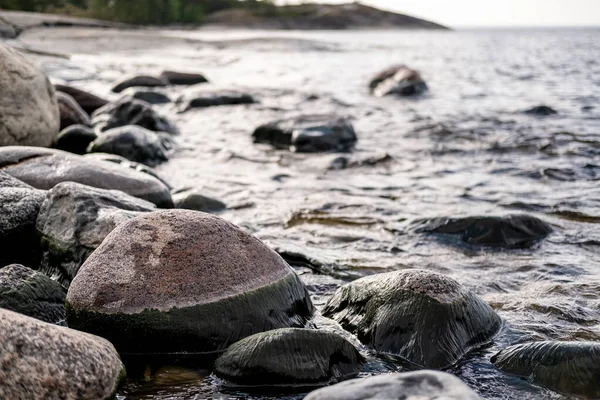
<point>511,231</point>
<point>31,293</point>
<point>74,220</point>
<point>183,78</point>
<point>70,112</point>
<point>212,98</point>
<point>419,385</point>
<point>572,368</point>
<point>75,139</point>
<point>45,168</point>
<point>40,361</point>
<point>129,111</point>
<point>184,281</point>
<point>423,316</point>
<point>28,109</point>
<point>308,133</point>
<point>139,81</point>
<point>289,356</point>
<point>397,80</point>
<point>87,101</point>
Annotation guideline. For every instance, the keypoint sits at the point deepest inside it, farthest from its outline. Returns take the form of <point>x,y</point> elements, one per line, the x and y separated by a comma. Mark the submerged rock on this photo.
<point>308,133</point>
<point>289,357</point>
<point>184,281</point>
<point>212,98</point>
<point>541,111</point>
<point>191,199</point>
<point>28,109</point>
<point>183,78</point>
<point>149,96</point>
<point>45,168</point>
<point>425,317</point>
<point>419,385</point>
<point>128,111</point>
<point>512,231</point>
<point>398,80</point>
<point>31,293</point>
<point>140,80</point>
<point>133,143</point>
<point>87,101</point>
<point>44,361</point>
<point>70,112</point>
<point>75,139</point>
<point>75,219</point>
<point>568,367</point>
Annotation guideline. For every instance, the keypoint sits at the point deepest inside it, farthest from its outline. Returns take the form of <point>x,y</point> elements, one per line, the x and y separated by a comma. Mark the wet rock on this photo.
<point>44,361</point>
<point>419,385</point>
<point>149,96</point>
<point>540,111</point>
<point>74,220</point>
<point>45,168</point>
<point>70,112</point>
<point>191,199</point>
<point>136,81</point>
<point>174,281</point>
<point>398,80</point>
<point>308,133</point>
<point>28,108</point>
<point>122,161</point>
<point>31,293</point>
<point>289,357</point>
<point>8,31</point>
<point>87,101</point>
<point>212,98</point>
<point>75,139</point>
<point>425,317</point>
<point>569,367</point>
<point>512,231</point>
<point>128,111</point>
<point>183,78</point>
<point>133,143</point>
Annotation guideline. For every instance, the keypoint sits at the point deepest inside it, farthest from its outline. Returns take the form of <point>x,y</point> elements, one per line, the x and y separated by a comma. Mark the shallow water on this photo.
<point>463,149</point>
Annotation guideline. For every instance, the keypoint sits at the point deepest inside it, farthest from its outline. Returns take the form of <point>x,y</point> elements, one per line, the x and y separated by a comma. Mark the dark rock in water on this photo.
<point>31,293</point>
<point>128,111</point>
<point>133,143</point>
<point>398,80</point>
<point>140,80</point>
<point>75,139</point>
<point>512,231</point>
<point>212,98</point>
<point>419,385</point>
<point>425,317</point>
<point>289,357</point>
<point>74,220</point>
<point>113,158</point>
<point>45,168</point>
<point>70,112</point>
<point>28,109</point>
<point>183,78</point>
<point>184,281</point>
<point>569,367</point>
<point>149,96</point>
<point>541,111</point>
<point>19,207</point>
<point>308,133</point>
<point>8,31</point>
<point>45,361</point>
<point>89,102</point>
<point>191,199</point>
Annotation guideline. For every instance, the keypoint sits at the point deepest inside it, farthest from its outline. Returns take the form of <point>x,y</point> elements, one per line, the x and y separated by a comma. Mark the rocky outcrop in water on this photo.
<point>423,316</point>
<point>41,361</point>
<point>420,385</point>
<point>192,199</point>
<point>397,80</point>
<point>569,367</point>
<point>289,357</point>
<point>87,101</point>
<point>183,78</point>
<point>308,134</point>
<point>512,231</point>
<point>31,293</point>
<point>45,168</point>
<point>212,98</point>
<point>541,111</point>
<point>75,139</point>
<point>184,281</point>
<point>28,109</point>
<point>128,111</point>
<point>138,81</point>
<point>70,112</point>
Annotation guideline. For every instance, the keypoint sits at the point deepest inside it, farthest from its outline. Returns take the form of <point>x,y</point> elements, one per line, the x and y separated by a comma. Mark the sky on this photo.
<point>482,13</point>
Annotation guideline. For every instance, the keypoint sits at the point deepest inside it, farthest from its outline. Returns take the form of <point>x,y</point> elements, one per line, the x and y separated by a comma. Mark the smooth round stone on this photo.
<point>397,80</point>
<point>294,357</point>
<point>184,281</point>
<point>419,385</point>
<point>191,199</point>
<point>75,139</point>
<point>40,361</point>
<point>70,112</point>
<point>212,98</point>
<point>569,367</point>
<point>423,316</point>
<point>31,293</point>
<point>149,96</point>
<point>183,78</point>
<point>130,111</point>
<point>28,108</point>
<point>140,80</point>
<point>87,101</point>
